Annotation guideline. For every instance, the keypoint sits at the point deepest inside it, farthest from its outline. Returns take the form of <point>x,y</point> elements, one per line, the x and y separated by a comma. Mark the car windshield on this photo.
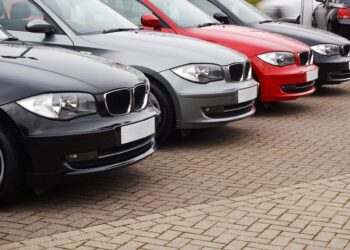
<point>244,11</point>
<point>183,13</point>
<point>89,16</point>
<point>3,35</point>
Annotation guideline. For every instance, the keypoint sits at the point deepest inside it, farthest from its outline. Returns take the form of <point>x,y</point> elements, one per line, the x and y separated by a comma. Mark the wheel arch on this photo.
<point>164,85</point>
<point>8,122</point>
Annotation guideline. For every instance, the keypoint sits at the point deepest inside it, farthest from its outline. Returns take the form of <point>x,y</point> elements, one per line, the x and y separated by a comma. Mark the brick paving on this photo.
<point>292,143</point>
<point>313,215</point>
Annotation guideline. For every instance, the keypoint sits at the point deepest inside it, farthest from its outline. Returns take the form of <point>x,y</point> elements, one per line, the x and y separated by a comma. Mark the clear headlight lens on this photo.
<point>327,49</point>
<point>278,58</point>
<point>200,73</point>
<point>60,106</point>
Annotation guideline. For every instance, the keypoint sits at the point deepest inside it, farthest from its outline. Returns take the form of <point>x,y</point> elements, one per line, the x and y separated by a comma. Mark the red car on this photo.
<point>283,66</point>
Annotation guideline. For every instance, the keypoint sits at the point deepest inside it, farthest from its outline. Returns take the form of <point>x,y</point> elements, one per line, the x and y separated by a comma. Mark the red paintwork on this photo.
<point>343,13</point>
<point>252,42</point>
<point>150,20</point>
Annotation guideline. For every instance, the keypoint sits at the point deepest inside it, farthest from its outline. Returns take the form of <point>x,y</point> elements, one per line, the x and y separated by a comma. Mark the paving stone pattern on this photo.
<point>312,215</point>
<point>292,143</point>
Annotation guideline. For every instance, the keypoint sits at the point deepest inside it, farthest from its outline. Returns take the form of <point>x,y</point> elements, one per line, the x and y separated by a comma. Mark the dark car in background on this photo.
<point>190,79</point>
<point>331,52</point>
<point>62,114</point>
<point>334,16</point>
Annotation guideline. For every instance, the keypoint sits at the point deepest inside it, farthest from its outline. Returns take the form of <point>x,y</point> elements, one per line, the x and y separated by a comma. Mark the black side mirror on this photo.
<point>221,17</point>
<point>40,26</point>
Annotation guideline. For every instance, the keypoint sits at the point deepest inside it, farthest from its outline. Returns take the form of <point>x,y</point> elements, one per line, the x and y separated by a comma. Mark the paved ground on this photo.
<point>313,215</point>
<point>293,143</point>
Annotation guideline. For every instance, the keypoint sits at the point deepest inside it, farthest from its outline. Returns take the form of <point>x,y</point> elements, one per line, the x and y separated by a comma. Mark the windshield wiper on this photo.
<point>266,21</point>
<point>10,39</point>
<point>117,30</point>
<point>207,24</point>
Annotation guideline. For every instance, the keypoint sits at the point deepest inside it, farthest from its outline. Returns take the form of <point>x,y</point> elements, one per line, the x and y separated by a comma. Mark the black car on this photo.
<point>62,113</point>
<point>334,16</point>
<point>331,52</point>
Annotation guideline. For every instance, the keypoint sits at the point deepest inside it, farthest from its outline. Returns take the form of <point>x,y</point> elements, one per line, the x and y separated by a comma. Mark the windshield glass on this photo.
<point>183,13</point>
<point>3,34</point>
<point>88,16</point>
<point>244,11</point>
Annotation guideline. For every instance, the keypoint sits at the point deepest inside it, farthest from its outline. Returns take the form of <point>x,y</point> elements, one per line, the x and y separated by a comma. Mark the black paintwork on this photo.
<point>310,36</point>
<point>325,17</point>
<point>28,70</point>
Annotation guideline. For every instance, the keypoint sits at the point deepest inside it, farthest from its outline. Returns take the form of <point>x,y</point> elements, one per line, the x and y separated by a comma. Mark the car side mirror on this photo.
<point>150,20</point>
<point>221,17</point>
<point>40,26</point>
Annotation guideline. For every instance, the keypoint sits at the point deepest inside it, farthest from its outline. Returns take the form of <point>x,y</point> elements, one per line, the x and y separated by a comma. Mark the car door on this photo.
<point>14,16</point>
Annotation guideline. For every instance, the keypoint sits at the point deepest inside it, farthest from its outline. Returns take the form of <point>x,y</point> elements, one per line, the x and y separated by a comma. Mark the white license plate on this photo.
<point>249,94</point>
<point>311,75</point>
<point>138,131</point>
<point>349,65</point>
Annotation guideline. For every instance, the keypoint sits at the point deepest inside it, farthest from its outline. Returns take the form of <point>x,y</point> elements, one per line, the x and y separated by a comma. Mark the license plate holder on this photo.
<point>248,94</point>
<point>137,131</point>
<point>311,75</point>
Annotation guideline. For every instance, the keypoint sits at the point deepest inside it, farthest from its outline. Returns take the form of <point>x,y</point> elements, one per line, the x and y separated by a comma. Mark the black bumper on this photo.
<point>333,69</point>
<point>95,141</point>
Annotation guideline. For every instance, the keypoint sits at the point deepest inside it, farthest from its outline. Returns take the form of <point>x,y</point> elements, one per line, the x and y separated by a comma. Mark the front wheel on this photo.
<point>11,167</point>
<point>166,122</point>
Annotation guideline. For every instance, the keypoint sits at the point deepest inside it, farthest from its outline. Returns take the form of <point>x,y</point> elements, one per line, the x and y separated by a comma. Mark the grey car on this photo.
<point>195,84</point>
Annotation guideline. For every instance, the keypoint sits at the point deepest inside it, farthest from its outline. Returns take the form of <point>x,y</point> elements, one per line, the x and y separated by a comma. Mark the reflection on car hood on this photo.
<point>250,42</point>
<point>310,36</point>
<point>31,70</point>
<point>161,51</point>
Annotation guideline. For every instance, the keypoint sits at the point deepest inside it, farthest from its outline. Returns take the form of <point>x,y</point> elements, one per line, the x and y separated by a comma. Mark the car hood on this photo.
<point>160,51</point>
<point>27,70</point>
<point>248,41</point>
<point>308,35</point>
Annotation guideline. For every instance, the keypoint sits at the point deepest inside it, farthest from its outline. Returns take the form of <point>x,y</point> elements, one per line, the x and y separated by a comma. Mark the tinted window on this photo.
<point>131,9</point>
<point>15,14</point>
<point>244,11</point>
<point>206,6</point>
<point>88,16</point>
<point>183,13</point>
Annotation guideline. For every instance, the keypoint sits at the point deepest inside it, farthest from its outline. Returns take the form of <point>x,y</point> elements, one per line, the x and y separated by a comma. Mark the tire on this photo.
<point>166,124</point>
<point>11,167</point>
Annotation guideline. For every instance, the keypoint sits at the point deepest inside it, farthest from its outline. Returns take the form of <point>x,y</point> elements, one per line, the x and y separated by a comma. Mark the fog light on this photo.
<point>81,157</point>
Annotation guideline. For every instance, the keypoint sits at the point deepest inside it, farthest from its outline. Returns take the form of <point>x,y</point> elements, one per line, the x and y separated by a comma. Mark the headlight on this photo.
<point>60,106</point>
<point>200,73</point>
<point>327,49</point>
<point>278,58</point>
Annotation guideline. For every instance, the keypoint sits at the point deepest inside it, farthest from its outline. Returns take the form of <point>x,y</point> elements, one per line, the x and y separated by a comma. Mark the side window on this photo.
<point>131,9</point>
<point>206,6</point>
<point>15,14</point>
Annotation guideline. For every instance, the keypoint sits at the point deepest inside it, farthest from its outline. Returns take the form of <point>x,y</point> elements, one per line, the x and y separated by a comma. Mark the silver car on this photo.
<point>195,84</point>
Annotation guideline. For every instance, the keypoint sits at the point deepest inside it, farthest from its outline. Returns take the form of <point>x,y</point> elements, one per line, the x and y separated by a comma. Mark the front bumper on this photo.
<point>283,83</point>
<point>209,105</point>
<point>80,146</point>
<point>333,69</point>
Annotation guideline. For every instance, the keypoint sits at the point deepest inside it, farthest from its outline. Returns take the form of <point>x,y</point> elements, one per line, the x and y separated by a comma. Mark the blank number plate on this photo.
<point>138,131</point>
<point>311,75</point>
<point>249,94</point>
